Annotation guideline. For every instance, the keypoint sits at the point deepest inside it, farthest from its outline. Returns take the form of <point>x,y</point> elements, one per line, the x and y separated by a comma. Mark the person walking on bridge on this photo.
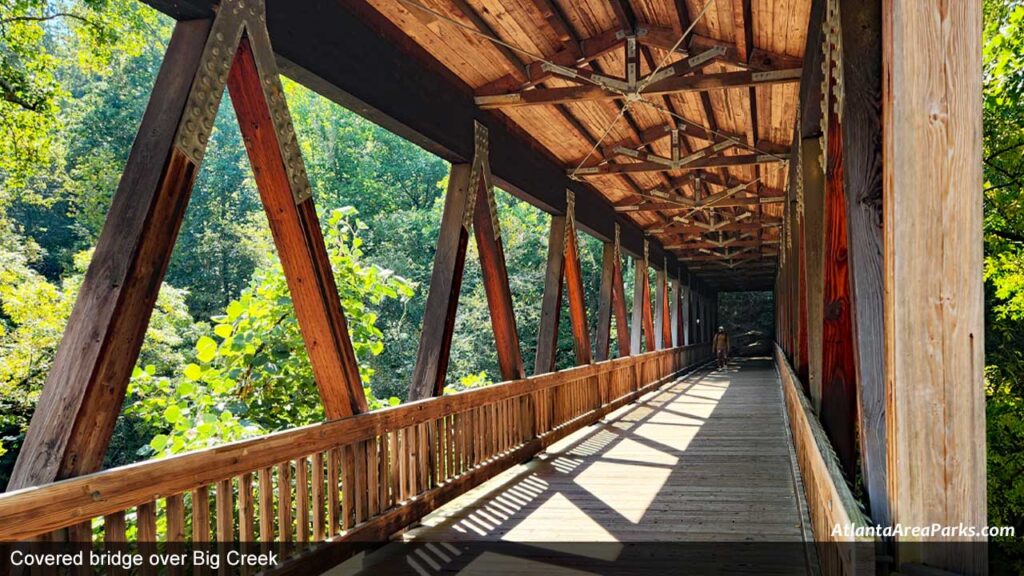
<point>720,343</point>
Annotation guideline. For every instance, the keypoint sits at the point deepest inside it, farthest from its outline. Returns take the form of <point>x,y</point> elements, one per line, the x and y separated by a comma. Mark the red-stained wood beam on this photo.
<point>839,392</point>
<point>495,277</point>
<point>81,399</point>
<point>664,310</point>
<point>647,314</point>
<point>577,300</point>
<point>299,242</point>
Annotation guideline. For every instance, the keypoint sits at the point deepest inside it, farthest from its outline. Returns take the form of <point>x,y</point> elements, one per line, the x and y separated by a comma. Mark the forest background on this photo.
<point>223,358</point>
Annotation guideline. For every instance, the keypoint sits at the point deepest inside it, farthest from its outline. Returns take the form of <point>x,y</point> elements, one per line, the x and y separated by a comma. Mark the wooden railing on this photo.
<point>829,499</point>
<point>358,478</point>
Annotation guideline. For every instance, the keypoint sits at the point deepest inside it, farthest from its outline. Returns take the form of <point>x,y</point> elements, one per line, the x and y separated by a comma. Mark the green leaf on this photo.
<point>206,349</point>
<point>172,414</point>
<point>193,372</point>
<point>159,442</point>
<point>223,330</point>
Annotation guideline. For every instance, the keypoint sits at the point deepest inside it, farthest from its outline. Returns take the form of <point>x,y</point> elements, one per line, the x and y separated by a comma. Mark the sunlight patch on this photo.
<point>628,489</point>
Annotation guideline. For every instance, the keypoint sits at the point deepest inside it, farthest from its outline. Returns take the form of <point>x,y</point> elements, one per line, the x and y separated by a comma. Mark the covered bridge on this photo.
<point>828,150</point>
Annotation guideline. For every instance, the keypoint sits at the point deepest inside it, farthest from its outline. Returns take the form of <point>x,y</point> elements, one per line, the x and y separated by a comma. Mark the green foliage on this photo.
<point>247,374</point>
<point>37,37</point>
<point>1004,263</point>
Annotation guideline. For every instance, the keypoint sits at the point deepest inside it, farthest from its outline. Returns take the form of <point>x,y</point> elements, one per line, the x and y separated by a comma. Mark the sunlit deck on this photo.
<point>704,459</point>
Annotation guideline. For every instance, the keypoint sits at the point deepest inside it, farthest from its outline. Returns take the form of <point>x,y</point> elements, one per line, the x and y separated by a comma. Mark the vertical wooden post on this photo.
<point>814,232</point>
<point>861,29</point>
<point>660,305</point>
<point>675,316</point>
<point>622,335</point>
<point>604,302</point>
<point>838,394</point>
<point>636,324</point>
<point>647,312</point>
<point>85,388</point>
<point>551,302</point>
<point>933,299</point>
<point>295,228</point>
<point>687,306</point>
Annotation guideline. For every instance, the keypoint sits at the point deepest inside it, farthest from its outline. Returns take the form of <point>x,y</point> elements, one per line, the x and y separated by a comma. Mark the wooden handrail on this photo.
<point>406,450</point>
<point>829,498</point>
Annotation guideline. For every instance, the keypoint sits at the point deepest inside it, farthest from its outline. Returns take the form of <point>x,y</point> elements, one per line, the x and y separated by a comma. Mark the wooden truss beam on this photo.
<point>469,204</point>
<point>612,302</point>
<point>671,85</point>
<point>713,162</point>
<point>563,263</point>
<point>665,38</point>
<point>295,227</point>
<point>82,397</point>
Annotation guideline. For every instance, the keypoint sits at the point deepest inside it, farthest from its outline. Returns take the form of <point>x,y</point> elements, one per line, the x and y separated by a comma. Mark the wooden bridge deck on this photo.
<point>704,459</point>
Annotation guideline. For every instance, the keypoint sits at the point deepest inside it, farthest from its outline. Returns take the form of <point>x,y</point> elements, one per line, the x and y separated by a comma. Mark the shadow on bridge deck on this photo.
<point>699,473</point>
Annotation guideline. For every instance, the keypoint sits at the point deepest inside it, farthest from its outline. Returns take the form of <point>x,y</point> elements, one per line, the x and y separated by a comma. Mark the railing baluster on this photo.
<point>284,505</point>
<point>333,491</point>
<point>302,499</point>
<point>394,468</point>
<point>266,507</point>
<point>348,486</point>
<point>372,479</point>
<point>359,476</point>
<point>225,511</point>
<point>246,509</point>
<point>114,528</point>
<point>201,514</point>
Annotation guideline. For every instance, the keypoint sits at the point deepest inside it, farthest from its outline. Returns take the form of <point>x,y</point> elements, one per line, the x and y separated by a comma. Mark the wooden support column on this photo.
<point>839,383</point>
<point>469,203</point>
<point>660,308</point>
<point>647,313</point>
<point>861,29</point>
<point>604,303</point>
<point>284,191</point>
<point>675,315</point>
<point>622,335</point>
<point>813,182</point>
<point>443,297</point>
<point>636,323</point>
<point>686,311</point>
<point>933,299</point>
